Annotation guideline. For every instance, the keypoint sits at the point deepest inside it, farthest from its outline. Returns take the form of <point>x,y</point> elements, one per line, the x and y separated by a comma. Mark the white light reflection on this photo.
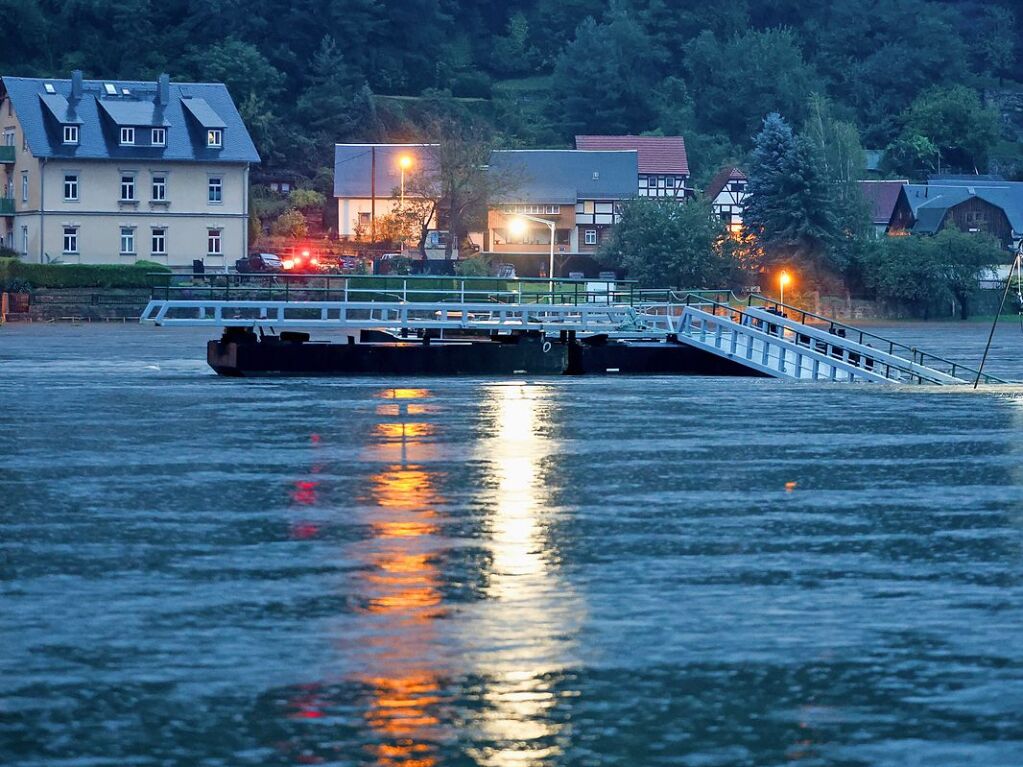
<point>524,634</point>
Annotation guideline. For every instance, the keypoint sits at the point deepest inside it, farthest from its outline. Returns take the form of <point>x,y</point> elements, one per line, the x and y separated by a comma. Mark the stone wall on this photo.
<point>84,304</point>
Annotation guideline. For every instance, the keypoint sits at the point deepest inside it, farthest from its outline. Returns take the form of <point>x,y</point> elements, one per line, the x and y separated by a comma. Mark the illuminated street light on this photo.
<point>783,280</point>
<point>517,226</point>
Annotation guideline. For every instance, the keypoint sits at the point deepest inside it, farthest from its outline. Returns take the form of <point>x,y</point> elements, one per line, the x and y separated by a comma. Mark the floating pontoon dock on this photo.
<point>477,325</point>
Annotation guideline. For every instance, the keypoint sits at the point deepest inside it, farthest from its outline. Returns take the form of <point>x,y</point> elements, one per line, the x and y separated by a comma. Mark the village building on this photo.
<point>368,183</point>
<point>727,193</point>
<point>579,193</point>
<point>972,204</point>
<point>881,198</point>
<point>662,168</point>
<point>112,171</point>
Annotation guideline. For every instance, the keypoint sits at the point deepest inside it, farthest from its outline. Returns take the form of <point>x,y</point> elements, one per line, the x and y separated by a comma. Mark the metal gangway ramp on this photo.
<point>783,341</point>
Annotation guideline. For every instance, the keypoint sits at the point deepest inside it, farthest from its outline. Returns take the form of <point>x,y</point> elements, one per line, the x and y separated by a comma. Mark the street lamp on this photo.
<point>518,227</point>
<point>783,280</point>
<point>404,163</point>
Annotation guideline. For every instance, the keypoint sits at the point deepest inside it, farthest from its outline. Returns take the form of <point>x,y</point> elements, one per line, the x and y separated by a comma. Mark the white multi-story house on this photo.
<point>109,172</point>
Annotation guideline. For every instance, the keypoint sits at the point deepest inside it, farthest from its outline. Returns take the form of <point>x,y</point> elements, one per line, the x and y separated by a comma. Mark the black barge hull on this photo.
<point>243,354</point>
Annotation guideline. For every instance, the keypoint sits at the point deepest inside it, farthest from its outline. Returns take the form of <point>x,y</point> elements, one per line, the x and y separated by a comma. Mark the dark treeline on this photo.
<point>306,73</point>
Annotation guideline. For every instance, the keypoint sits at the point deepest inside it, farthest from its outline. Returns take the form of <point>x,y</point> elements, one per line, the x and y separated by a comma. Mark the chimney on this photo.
<point>163,90</point>
<point>76,84</point>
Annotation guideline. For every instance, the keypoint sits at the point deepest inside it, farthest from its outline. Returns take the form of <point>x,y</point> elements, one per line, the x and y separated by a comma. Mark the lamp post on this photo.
<point>783,280</point>
<point>404,163</point>
<point>518,226</point>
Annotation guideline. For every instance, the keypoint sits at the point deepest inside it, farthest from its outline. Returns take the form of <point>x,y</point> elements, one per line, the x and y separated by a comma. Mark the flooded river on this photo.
<point>514,573</point>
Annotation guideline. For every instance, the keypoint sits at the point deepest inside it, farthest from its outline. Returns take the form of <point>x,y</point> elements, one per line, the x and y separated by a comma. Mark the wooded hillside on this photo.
<point>307,73</point>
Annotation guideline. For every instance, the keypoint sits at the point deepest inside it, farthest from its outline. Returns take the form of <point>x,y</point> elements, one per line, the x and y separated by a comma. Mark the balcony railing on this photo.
<point>6,206</point>
<point>6,154</point>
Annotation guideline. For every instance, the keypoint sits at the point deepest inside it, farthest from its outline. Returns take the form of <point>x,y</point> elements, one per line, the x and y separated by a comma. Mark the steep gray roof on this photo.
<point>353,164</point>
<point>99,116</point>
<point>562,176</point>
<point>930,202</point>
<point>559,176</point>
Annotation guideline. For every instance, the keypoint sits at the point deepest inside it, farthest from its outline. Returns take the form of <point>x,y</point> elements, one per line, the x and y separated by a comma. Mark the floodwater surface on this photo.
<point>513,573</point>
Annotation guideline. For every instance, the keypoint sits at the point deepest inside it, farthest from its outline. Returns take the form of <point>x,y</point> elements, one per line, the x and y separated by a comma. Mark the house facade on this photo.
<point>881,198</point>
<point>662,163</point>
<point>368,179</point>
<point>981,205</point>
<point>113,172</point>
<point>580,192</point>
<point>727,192</point>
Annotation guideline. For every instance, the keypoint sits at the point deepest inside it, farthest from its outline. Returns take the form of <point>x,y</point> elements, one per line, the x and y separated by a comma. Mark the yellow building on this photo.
<point>113,172</point>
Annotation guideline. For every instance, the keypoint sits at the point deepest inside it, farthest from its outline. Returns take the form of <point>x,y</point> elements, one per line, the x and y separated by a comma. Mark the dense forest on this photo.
<point>307,73</point>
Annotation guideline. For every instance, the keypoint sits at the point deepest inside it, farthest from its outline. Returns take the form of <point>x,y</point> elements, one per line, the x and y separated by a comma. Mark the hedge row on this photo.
<point>78,275</point>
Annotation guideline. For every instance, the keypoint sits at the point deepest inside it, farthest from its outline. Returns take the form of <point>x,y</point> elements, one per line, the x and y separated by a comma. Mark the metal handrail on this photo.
<point>917,357</point>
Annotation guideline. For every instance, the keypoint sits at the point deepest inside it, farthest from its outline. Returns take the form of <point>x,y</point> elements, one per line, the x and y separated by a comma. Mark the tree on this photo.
<point>602,80</point>
<point>957,123</point>
<point>291,223</point>
<point>306,199</point>
<point>736,83</point>
<point>663,243</point>
<point>911,155</point>
<point>928,271</point>
<point>457,176</point>
<point>789,211</point>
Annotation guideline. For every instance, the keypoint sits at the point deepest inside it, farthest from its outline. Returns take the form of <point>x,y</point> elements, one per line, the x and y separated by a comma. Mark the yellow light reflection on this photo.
<point>401,586</point>
<point>524,636</point>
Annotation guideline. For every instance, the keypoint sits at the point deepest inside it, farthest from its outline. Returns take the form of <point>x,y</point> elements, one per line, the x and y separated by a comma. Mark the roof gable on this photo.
<point>657,154</point>
<point>721,179</point>
<point>99,112</point>
<point>882,197</point>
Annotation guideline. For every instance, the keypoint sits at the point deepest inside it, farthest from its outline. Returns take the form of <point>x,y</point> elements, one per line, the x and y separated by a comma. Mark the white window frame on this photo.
<point>590,236</point>
<point>71,240</point>
<point>70,134</point>
<point>161,232</point>
<point>24,240</point>
<point>128,184</point>
<point>9,137</point>
<point>127,136</point>
<point>215,138</point>
<point>214,242</point>
<point>215,187</point>
<point>24,186</point>
<point>158,137</point>
<point>128,241</point>
<point>159,180</point>
<point>70,187</point>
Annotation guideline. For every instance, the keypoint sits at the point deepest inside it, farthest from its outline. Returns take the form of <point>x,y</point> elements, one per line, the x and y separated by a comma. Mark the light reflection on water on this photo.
<point>196,571</point>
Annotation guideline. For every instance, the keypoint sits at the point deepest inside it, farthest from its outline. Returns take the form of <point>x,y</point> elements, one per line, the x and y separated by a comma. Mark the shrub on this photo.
<point>290,224</point>
<point>80,275</point>
<point>476,266</point>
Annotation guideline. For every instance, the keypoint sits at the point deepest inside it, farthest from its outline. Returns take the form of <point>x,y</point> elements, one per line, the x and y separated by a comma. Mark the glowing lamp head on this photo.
<point>405,162</point>
<point>305,254</point>
<point>784,279</point>
<point>518,227</point>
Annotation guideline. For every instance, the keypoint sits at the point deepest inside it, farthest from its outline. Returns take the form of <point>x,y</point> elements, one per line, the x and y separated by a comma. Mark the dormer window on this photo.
<point>127,136</point>
<point>70,134</point>
<point>159,137</point>
<point>215,138</point>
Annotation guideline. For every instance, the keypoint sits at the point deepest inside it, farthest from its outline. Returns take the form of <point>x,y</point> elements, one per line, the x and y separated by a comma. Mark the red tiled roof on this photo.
<point>882,196</point>
<point>657,154</point>
<point>721,179</point>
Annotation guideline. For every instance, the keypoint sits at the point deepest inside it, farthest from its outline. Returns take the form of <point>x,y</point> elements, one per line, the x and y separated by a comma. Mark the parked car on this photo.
<point>303,263</point>
<point>259,263</point>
